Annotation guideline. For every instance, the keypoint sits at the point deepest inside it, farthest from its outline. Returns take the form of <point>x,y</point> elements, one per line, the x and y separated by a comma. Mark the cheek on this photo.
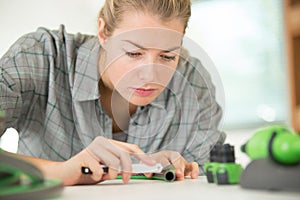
<point>120,73</point>
<point>165,73</point>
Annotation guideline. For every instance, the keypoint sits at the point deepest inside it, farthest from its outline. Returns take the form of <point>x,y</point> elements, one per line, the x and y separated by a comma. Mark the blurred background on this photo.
<point>244,38</point>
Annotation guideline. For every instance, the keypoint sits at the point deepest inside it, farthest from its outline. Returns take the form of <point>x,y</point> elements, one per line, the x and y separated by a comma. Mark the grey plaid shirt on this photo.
<point>49,90</point>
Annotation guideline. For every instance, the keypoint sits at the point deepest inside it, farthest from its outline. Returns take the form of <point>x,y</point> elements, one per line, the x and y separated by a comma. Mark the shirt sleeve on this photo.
<point>23,77</point>
<point>10,86</point>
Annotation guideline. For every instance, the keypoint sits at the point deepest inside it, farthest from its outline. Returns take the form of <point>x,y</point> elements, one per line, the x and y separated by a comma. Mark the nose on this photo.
<point>146,72</point>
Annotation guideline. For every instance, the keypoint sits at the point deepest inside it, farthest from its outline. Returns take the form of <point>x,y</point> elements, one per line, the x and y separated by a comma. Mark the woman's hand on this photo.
<point>104,151</point>
<point>183,168</point>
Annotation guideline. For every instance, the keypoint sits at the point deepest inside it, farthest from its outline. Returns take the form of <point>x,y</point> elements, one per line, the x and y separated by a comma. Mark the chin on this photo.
<point>141,101</point>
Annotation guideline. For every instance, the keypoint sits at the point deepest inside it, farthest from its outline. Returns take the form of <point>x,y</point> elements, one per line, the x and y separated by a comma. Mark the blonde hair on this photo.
<point>113,10</point>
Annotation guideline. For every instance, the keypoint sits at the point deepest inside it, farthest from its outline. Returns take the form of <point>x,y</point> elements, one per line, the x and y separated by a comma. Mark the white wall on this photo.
<point>18,17</point>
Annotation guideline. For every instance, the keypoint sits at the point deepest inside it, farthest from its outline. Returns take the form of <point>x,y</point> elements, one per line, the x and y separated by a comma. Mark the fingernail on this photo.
<point>179,172</point>
<point>126,178</point>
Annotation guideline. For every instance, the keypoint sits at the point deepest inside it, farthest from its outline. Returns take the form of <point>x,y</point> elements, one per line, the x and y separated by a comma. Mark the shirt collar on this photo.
<point>160,101</point>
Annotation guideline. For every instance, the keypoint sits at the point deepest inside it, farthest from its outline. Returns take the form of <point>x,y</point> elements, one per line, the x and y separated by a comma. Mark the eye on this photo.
<point>168,58</point>
<point>133,54</point>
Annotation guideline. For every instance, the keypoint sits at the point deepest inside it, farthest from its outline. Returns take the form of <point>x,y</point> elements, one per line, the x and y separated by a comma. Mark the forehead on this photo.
<point>147,37</point>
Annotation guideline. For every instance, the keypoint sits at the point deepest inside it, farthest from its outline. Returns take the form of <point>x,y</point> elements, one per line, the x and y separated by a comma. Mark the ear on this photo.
<point>101,35</point>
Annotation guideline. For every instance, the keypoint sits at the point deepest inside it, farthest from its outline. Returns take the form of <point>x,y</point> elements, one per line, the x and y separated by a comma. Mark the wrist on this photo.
<point>52,169</point>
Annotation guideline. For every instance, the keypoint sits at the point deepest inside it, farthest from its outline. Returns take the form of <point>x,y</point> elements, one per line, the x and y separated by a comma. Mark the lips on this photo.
<point>144,92</point>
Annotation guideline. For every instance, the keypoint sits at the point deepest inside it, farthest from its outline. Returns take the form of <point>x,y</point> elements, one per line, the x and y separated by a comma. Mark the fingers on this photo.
<point>170,157</point>
<point>144,158</point>
<point>71,170</point>
<point>183,168</point>
<point>97,174</point>
<point>177,161</point>
<point>148,175</point>
<point>115,154</point>
<point>179,165</point>
<point>163,160</point>
<point>112,161</point>
<point>135,151</point>
<point>126,166</point>
<point>192,170</point>
<point>108,154</point>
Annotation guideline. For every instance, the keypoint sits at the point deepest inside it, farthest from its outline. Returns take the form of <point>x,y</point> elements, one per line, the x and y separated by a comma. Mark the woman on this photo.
<point>81,101</point>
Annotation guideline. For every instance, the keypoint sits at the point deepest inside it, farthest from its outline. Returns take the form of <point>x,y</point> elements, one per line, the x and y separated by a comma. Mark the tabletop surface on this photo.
<point>186,189</point>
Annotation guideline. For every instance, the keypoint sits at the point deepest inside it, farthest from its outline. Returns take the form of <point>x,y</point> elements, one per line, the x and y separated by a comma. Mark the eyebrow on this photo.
<point>144,48</point>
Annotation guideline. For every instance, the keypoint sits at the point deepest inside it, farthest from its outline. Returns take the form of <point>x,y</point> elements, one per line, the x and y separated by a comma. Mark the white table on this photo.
<point>185,190</point>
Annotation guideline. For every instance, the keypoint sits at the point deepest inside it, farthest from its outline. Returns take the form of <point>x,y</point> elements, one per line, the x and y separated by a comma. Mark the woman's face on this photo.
<point>141,56</point>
